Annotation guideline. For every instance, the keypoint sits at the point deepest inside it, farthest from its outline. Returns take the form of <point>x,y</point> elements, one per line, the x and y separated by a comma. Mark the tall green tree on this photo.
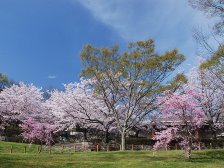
<point>215,66</point>
<point>129,82</point>
<point>4,81</point>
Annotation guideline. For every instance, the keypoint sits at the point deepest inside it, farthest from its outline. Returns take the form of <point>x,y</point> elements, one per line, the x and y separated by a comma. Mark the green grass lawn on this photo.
<point>136,159</point>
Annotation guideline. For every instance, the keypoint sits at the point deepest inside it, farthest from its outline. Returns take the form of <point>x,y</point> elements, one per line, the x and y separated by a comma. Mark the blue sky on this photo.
<point>40,40</point>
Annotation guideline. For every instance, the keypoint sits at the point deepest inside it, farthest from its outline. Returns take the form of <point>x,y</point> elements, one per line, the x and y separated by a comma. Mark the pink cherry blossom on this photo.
<point>36,131</point>
<point>185,116</point>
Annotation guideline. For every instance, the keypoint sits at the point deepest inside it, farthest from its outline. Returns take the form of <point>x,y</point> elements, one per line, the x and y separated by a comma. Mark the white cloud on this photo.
<point>52,77</point>
<point>168,22</point>
<point>135,20</point>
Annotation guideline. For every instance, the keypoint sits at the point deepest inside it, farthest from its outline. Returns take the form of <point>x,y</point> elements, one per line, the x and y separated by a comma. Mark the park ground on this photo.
<point>212,158</point>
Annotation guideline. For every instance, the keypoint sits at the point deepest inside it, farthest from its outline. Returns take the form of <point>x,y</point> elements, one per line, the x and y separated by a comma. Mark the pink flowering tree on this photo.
<point>185,117</point>
<point>25,104</point>
<point>164,137</point>
<point>34,131</point>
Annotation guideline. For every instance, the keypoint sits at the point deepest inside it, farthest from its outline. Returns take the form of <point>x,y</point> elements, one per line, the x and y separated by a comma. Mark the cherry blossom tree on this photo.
<point>212,99</point>
<point>212,8</point>
<point>36,131</point>
<point>164,137</point>
<point>78,104</point>
<point>21,101</point>
<point>25,104</point>
<point>185,116</point>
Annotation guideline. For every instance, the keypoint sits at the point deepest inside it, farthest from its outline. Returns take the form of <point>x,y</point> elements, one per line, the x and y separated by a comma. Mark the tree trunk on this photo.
<point>123,141</point>
<point>137,133</point>
<point>106,137</point>
<point>85,134</point>
<point>214,138</point>
<point>188,149</point>
<point>188,152</point>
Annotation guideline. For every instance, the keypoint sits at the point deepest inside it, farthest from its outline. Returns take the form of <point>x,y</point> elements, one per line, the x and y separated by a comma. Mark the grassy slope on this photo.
<point>137,159</point>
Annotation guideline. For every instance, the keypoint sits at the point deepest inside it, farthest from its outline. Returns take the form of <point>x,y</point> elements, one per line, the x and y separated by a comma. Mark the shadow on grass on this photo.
<point>208,156</point>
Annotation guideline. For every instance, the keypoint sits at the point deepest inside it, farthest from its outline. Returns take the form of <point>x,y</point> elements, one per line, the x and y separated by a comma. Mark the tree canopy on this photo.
<point>4,81</point>
<point>213,8</point>
<point>129,82</point>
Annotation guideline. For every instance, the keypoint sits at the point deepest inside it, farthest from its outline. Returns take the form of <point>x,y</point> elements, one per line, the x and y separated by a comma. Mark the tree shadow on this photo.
<point>208,156</point>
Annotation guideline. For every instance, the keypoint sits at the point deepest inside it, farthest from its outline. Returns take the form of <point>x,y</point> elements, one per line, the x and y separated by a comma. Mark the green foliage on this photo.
<point>129,82</point>
<point>215,64</point>
<point>141,66</point>
<point>140,62</point>
<point>178,81</point>
<point>215,61</point>
<point>4,81</point>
